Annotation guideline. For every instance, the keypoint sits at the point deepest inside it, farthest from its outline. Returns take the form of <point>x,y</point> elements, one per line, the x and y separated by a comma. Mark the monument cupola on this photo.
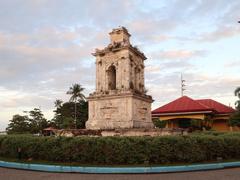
<point>119,35</point>
<point>120,99</point>
<point>119,66</point>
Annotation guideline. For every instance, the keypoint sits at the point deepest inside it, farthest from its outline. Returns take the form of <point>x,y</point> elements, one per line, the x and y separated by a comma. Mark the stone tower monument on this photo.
<point>120,99</point>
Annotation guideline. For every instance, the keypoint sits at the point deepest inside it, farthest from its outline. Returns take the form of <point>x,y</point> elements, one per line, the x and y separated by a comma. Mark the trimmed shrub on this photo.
<point>159,124</point>
<point>124,150</point>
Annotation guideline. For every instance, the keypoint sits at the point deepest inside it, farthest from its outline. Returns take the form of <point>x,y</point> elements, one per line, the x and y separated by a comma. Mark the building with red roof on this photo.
<point>206,112</point>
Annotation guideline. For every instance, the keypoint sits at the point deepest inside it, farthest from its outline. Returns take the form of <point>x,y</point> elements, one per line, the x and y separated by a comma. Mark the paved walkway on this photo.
<point>225,174</point>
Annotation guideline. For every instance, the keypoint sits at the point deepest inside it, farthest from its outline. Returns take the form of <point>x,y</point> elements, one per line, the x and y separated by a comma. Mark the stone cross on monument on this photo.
<point>120,99</point>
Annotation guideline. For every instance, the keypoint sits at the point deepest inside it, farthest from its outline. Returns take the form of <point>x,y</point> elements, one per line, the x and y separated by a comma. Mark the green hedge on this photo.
<point>123,150</point>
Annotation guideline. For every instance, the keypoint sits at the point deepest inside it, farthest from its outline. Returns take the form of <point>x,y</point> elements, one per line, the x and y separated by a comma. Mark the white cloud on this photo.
<point>221,32</point>
<point>180,54</point>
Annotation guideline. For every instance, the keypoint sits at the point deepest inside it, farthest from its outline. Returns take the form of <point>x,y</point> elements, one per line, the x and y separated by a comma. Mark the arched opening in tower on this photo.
<point>136,78</point>
<point>112,78</point>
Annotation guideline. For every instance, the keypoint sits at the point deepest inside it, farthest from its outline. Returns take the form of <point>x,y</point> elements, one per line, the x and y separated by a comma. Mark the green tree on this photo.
<point>18,125</point>
<point>237,93</point>
<point>37,122</point>
<point>158,123</point>
<point>68,122</point>
<point>58,103</point>
<point>67,110</point>
<point>235,118</point>
<point>76,92</point>
<point>83,114</point>
<point>57,121</point>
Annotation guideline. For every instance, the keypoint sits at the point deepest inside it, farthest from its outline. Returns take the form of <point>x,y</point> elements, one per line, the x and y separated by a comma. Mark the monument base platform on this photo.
<point>119,132</point>
<point>125,111</point>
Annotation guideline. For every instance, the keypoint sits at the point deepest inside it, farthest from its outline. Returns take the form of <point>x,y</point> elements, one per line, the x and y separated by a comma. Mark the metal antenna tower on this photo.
<point>182,85</point>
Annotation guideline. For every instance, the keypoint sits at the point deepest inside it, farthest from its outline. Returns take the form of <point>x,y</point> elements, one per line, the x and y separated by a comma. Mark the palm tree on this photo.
<point>58,103</point>
<point>76,92</point>
<point>237,93</point>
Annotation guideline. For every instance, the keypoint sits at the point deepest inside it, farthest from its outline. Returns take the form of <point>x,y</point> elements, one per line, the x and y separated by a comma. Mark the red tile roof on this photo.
<point>218,107</point>
<point>182,104</point>
<point>186,104</point>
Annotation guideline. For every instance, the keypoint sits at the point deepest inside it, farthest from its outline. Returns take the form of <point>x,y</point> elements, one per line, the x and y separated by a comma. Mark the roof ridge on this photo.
<point>183,103</point>
<point>203,99</point>
<point>204,105</point>
<point>216,103</point>
<point>199,103</point>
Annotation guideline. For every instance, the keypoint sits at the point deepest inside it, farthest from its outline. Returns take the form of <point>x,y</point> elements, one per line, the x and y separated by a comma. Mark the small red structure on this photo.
<point>181,111</point>
<point>49,131</point>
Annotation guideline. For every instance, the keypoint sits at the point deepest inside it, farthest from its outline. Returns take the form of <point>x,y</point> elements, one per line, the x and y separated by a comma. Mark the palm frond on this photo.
<point>237,92</point>
<point>76,91</point>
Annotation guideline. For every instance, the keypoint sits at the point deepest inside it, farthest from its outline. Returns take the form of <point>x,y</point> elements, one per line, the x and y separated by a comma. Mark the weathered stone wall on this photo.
<point>141,113</point>
<point>119,111</point>
<point>120,132</point>
<point>110,112</point>
<point>129,71</point>
<point>121,62</point>
<point>120,100</point>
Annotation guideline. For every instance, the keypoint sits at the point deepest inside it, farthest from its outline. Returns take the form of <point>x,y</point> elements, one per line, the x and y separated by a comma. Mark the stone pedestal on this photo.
<point>127,110</point>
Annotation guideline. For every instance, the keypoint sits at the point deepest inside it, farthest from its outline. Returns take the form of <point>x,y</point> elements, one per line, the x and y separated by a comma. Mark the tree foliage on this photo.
<point>76,95</point>
<point>237,93</point>
<point>159,124</point>
<point>72,114</point>
<point>58,103</point>
<point>235,118</point>
<point>65,114</point>
<point>33,123</point>
<point>37,122</point>
<point>18,125</point>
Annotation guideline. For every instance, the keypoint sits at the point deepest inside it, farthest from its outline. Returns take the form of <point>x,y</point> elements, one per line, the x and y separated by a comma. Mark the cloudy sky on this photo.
<point>45,47</point>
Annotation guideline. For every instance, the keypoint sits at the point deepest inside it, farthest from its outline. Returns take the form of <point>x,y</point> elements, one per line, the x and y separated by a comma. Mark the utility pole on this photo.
<point>182,85</point>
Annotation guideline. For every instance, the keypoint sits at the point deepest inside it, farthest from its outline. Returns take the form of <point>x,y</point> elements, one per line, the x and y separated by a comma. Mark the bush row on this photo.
<point>123,150</point>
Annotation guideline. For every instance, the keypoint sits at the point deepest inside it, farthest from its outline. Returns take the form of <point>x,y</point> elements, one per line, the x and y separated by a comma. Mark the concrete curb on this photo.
<point>118,170</point>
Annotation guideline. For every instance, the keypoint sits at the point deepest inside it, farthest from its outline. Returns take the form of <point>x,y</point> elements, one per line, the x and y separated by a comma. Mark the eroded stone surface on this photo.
<point>120,99</point>
<point>119,132</point>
